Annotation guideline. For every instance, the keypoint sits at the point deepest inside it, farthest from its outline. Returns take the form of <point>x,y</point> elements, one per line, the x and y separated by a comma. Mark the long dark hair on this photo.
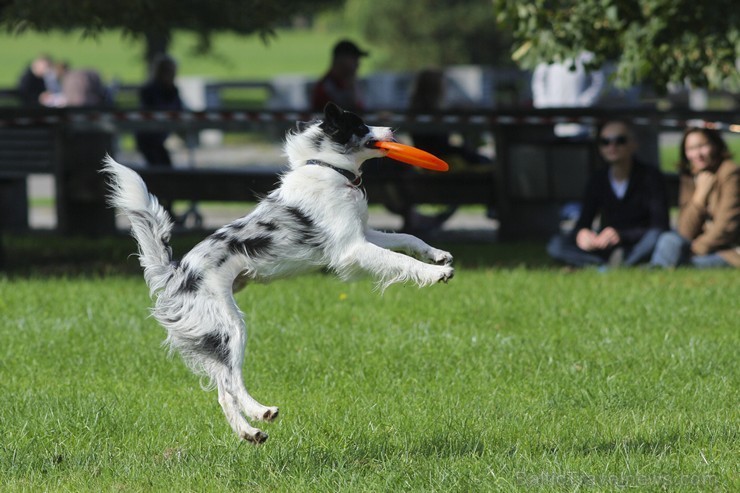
<point>428,90</point>
<point>720,151</point>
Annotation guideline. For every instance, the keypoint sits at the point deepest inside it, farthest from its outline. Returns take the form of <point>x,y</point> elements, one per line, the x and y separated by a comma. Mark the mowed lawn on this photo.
<point>291,51</point>
<point>509,378</point>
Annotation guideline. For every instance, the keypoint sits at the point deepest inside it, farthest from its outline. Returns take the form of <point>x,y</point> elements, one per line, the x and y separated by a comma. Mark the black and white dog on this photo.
<point>317,218</point>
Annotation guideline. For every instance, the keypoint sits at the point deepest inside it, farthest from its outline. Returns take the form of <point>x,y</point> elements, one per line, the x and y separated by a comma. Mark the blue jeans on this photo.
<point>563,248</point>
<point>674,250</point>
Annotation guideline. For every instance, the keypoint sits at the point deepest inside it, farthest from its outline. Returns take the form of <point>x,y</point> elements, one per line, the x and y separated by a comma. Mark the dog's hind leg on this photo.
<point>229,404</point>
<point>249,405</point>
<point>220,354</point>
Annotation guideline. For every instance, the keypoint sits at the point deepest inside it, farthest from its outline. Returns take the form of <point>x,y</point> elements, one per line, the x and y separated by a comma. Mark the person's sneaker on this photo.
<point>616,258</point>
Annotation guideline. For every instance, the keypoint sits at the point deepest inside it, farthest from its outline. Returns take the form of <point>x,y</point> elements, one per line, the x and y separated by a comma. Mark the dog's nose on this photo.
<point>384,134</point>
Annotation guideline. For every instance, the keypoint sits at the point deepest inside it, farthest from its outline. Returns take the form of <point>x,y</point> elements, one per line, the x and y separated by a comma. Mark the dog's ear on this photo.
<point>341,125</point>
<point>302,126</point>
<point>332,112</point>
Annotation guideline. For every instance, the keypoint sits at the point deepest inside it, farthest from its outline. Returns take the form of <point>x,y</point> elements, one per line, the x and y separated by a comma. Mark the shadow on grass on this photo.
<point>449,444</point>
<point>369,455</point>
<point>46,254</point>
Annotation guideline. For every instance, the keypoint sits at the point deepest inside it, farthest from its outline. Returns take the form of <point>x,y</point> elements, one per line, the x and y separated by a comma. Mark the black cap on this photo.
<point>347,47</point>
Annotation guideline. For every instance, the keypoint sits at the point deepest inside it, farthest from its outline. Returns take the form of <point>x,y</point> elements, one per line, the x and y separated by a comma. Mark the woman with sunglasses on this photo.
<point>630,200</point>
<point>708,228</point>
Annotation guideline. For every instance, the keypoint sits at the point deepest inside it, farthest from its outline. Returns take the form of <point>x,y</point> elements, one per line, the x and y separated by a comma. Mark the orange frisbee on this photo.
<point>412,155</point>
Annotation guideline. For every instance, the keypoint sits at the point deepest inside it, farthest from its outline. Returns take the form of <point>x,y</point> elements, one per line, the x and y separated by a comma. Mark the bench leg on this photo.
<point>13,204</point>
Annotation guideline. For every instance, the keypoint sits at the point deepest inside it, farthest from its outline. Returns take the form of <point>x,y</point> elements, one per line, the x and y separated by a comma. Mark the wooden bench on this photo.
<point>27,150</point>
<point>23,151</point>
<point>10,97</point>
<point>71,143</point>
<point>250,183</point>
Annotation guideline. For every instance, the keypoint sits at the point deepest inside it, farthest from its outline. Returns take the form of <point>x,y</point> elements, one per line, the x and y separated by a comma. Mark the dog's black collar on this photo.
<point>354,179</point>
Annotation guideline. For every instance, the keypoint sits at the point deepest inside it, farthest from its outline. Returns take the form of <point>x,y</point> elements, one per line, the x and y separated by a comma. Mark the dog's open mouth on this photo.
<point>409,155</point>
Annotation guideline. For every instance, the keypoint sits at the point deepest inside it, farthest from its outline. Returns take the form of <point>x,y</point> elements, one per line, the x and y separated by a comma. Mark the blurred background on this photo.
<point>268,55</point>
<point>488,48</point>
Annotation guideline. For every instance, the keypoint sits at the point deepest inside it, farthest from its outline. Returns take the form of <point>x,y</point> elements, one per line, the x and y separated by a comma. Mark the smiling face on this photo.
<point>700,152</point>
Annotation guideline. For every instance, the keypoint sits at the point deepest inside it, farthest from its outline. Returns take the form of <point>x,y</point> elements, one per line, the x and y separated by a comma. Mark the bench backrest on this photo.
<point>26,150</point>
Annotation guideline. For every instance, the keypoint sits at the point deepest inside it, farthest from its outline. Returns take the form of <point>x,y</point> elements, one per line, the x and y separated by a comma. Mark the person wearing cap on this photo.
<point>159,93</point>
<point>339,84</point>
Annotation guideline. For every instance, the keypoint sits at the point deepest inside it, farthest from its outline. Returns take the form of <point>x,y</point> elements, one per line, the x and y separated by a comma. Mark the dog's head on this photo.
<point>340,139</point>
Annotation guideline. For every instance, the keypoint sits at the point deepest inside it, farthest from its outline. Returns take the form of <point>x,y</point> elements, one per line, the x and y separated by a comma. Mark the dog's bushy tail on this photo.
<point>150,223</point>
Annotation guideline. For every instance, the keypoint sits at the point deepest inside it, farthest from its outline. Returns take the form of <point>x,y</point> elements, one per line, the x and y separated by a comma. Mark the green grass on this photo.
<point>295,51</point>
<point>514,376</point>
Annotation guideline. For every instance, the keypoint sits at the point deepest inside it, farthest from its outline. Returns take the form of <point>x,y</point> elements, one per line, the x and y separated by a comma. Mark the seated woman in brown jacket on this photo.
<point>708,229</point>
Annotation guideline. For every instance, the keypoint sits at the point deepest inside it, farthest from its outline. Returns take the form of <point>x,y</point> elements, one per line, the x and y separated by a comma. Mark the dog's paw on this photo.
<point>262,413</point>
<point>446,274</point>
<point>271,414</point>
<point>256,437</point>
<point>440,257</point>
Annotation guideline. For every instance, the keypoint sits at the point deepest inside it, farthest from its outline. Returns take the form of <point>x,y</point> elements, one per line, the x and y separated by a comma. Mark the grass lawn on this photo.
<point>295,51</point>
<point>514,376</point>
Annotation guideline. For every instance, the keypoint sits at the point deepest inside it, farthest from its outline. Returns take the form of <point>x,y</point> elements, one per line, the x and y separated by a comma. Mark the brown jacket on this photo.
<point>715,227</point>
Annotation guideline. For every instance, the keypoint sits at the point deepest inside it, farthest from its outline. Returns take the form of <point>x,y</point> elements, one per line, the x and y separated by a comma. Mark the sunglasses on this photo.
<point>619,140</point>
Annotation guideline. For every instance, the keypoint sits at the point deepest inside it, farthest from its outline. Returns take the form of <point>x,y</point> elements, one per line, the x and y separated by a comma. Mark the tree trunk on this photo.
<point>157,43</point>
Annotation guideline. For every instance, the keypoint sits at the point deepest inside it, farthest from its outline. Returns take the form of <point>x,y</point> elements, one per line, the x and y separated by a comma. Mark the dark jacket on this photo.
<point>156,96</point>
<point>30,87</point>
<point>644,205</point>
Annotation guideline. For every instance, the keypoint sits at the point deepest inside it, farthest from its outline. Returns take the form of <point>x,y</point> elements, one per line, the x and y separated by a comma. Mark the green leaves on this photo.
<point>140,17</point>
<point>652,41</point>
<point>421,33</point>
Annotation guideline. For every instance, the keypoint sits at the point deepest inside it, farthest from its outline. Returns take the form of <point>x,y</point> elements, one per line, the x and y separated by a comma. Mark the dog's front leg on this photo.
<point>391,267</point>
<point>408,243</point>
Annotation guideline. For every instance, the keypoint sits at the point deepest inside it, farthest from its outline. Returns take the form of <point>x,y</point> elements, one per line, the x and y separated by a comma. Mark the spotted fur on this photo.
<point>315,219</point>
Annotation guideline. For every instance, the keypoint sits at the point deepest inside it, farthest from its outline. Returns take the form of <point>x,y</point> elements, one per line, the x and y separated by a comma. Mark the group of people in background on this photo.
<point>50,83</point>
<point>626,196</point>
<point>46,82</point>
<point>629,199</point>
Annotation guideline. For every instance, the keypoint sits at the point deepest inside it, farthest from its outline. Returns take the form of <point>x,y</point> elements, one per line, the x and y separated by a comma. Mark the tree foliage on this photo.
<point>422,33</point>
<point>656,41</point>
<point>155,20</point>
